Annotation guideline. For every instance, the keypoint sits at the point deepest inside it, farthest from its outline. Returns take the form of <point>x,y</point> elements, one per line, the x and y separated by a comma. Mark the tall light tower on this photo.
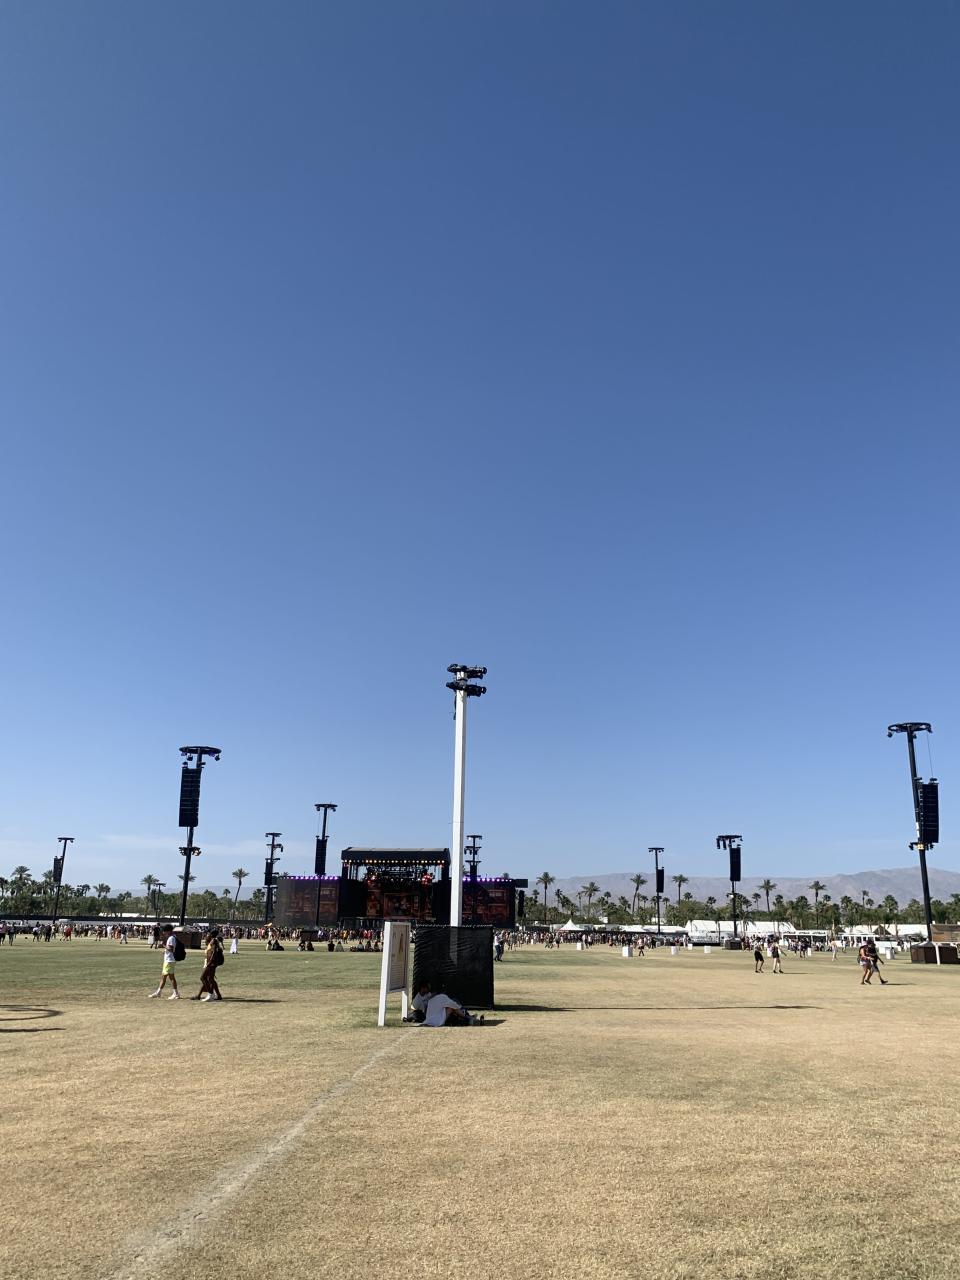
<point>463,688</point>
<point>190,810</point>
<point>320,855</point>
<point>472,852</point>
<point>268,877</point>
<point>656,850</point>
<point>58,872</point>
<point>926,810</point>
<point>732,843</point>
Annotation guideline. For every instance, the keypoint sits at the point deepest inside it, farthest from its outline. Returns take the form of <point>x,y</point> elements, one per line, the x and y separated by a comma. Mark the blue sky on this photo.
<point>613,347</point>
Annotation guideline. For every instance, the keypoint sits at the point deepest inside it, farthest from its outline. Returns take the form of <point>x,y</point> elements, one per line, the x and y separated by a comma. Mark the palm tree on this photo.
<point>5,885</point>
<point>546,879</point>
<point>712,904</point>
<point>767,886</point>
<point>240,875</point>
<point>638,881</point>
<point>817,888</point>
<point>589,891</point>
<point>756,901</point>
<point>102,890</point>
<point>679,881</point>
<point>19,879</point>
<point>148,882</point>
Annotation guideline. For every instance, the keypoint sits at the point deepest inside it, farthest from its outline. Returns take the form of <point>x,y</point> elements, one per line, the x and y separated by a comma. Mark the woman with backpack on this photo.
<point>212,960</point>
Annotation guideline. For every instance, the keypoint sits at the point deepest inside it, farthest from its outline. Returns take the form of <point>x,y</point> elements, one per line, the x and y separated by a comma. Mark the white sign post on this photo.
<point>395,967</point>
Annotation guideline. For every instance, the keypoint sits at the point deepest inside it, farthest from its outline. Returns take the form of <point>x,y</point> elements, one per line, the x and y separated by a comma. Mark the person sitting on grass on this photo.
<point>444,1011</point>
<point>418,1005</point>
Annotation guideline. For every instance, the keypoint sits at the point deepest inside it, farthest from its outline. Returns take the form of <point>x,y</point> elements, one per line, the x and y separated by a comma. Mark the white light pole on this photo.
<point>462,690</point>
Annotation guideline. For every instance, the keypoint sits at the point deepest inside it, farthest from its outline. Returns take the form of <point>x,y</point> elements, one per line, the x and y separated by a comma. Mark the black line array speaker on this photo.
<point>661,873</point>
<point>320,857</point>
<point>735,863</point>
<point>189,797</point>
<point>928,803</point>
<point>457,961</point>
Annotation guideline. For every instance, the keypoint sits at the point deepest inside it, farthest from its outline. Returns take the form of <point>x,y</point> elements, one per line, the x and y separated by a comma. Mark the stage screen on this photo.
<point>494,903</point>
<point>295,901</point>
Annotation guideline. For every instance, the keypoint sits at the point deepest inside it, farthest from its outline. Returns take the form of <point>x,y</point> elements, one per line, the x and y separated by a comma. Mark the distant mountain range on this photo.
<point>902,883</point>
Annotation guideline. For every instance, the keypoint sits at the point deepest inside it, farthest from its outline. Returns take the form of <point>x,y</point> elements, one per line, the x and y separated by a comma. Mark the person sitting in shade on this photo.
<point>444,1011</point>
<point>418,1005</point>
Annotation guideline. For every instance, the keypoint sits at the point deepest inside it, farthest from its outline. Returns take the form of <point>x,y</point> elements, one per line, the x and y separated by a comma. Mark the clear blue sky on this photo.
<point>614,347</point>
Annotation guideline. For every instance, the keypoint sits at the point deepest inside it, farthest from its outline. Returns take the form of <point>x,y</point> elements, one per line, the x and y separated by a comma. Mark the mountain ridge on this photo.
<point>902,883</point>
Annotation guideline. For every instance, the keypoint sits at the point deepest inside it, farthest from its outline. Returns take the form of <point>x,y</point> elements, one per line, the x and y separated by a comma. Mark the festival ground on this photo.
<point>672,1116</point>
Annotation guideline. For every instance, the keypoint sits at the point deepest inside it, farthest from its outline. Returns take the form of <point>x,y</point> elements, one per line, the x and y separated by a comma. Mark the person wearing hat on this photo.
<point>170,944</point>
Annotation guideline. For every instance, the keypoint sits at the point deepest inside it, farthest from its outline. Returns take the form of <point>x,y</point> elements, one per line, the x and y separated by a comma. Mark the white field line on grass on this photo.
<point>149,1251</point>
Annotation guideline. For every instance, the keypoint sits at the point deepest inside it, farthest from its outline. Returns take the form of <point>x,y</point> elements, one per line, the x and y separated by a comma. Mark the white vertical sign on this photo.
<point>395,967</point>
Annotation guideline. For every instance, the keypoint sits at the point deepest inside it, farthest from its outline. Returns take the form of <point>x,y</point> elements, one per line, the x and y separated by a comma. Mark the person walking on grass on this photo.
<point>873,956</point>
<point>757,958</point>
<point>212,959</point>
<point>863,959</point>
<point>173,950</point>
<point>775,955</point>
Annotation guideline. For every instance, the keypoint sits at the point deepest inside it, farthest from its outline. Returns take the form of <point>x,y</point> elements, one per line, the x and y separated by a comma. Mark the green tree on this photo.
<point>638,881</point>
<point>103,890</point>
<point>767,887</point>
<point>148,882</point>
<point>546,879</point>
<point>239,875</point>
<point>817,888</point>
<point>679,881</point>
<point>589,891</point>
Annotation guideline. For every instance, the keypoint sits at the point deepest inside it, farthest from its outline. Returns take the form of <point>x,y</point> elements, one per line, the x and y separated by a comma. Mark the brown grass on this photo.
<point>666,1117</point>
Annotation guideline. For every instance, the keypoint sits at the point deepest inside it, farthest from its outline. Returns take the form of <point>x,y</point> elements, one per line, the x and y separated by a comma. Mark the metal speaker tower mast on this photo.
<point>659,873</point>
<point>926,810</point>
<point>190,810</point>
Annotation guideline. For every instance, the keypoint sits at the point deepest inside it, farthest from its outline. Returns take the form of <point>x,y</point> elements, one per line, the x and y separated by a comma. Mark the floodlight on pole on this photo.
<point>926,810</point>
<point>463,688</point>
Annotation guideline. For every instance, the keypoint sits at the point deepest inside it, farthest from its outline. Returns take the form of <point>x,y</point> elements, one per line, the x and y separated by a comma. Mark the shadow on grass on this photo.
<point>248,1000</point>
<point>27,1013</point>
<point>529,1008</point>
<point>640,1008</point>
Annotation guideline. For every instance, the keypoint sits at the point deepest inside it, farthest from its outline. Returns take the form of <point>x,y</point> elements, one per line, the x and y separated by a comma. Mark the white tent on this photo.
<point>570,927</point>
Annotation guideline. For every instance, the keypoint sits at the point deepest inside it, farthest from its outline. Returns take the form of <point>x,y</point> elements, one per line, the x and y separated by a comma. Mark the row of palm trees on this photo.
<point>21,894</point>
<point>824,910</point>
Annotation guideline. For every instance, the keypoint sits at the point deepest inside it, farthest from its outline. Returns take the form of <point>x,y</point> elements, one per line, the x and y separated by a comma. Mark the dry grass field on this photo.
<point>675,1116</point>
